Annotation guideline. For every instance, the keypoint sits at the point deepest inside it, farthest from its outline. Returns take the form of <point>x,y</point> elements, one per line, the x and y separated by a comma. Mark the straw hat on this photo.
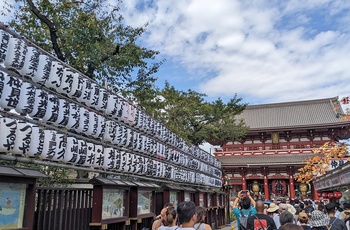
<point>272,208</point>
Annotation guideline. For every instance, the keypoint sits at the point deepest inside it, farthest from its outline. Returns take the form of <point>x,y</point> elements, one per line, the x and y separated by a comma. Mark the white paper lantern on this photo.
<point>72,84</point>
<point>100,129</point>
<point>109,158</point>
<point>40,102</point>
<point>86,92</point>
<point>82,152</point>
<point>71,154</point>
<point>42,72</point>
<point>124,159</point>
<point>91,153</point>
<point>125,112</point>
<point>135,139</point>
<point>149,166</point>
<point>132,115</point>
<point>31,62</point>
<point>99,156</point>
<point>102,100</point>
<point>51,112</point>
<point>131,164</point>
<point>36,142</point>
<point>93,123</point>
<point>118,159</point>
<point>95,93</point>
<point>120,109</point>
<point>66,80</point>
<point>49,147</point>
<point>140,165</point>
<point>16,53</point>
<point>61,144</point>
<point>63,113</point>
<point>10,89</point>
<point>74,116</point>
<point>120,134</point>
<point>111,108</point>
<point>55,77</point>
<point>110,131</point>
<point>26,99</point>
<point>23,138</point>
<point>83,120</point>
<point>4,43</point>
<point>8,128</point>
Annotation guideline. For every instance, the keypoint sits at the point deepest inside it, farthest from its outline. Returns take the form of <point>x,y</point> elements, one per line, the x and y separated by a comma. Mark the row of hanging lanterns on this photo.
<point>30,63</point>
<point>25,139</point>
<point>120,124</point>
<point>330,195</point>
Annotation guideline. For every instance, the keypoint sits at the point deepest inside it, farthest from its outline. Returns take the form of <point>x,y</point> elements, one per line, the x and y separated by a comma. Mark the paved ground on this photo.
<point>229,227</point>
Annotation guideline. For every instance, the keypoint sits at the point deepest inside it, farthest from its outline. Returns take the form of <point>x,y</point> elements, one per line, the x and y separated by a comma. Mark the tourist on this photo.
<point>291,226</point>
<point>345,215</point>
<point>334,223</point>
<point>273,212</point>
<point>247,208</point>
<point>171,220</point>
<point>160,219</point>
<point>187,217</point>
<point>303,220</point>
<point>319,220</point>
<point>286,217</point>
<point>201,214</point>
<point>260,220</point>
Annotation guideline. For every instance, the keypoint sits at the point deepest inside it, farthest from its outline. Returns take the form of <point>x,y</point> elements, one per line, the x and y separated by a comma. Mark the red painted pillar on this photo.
<point>244,184</point>
<point>266,188</point>
<point>291,186</point>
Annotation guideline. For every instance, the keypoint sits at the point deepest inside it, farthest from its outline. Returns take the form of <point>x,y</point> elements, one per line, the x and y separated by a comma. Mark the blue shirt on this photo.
<point>245,212</point>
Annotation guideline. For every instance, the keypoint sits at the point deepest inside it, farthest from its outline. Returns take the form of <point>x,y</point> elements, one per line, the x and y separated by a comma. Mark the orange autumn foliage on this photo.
<point>319,164</point>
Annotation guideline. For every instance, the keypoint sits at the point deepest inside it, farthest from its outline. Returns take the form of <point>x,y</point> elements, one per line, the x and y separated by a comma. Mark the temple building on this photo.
<point>280,138</point>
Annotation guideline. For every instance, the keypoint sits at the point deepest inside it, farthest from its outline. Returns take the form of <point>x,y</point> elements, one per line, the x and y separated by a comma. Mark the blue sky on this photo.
<point>265,51</point>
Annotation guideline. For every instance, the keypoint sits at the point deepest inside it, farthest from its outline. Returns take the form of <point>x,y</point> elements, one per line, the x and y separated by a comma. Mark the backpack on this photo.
<point>244,219</point>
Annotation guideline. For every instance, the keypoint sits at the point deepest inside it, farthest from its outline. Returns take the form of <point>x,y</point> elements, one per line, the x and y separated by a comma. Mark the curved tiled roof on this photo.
<point>260,160</point>
<point>293,114</point>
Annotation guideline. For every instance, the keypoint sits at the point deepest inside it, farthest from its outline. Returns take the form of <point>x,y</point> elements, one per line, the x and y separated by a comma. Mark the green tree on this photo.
<point>88,35</point>
<point>196,120</point>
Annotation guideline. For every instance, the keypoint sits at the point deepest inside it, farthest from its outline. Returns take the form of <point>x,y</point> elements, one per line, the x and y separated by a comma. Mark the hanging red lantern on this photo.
<point>337,195</point>
<point>330,195</point>
<point>318,194</point>
<point>324,195</point>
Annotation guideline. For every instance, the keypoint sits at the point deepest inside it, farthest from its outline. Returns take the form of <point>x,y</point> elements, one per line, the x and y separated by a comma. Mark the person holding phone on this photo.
<point>247,207</point>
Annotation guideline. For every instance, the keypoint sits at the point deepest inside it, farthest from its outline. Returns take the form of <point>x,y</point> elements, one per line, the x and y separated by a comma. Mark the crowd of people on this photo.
<point>186,216</point>
<point>288,214</point>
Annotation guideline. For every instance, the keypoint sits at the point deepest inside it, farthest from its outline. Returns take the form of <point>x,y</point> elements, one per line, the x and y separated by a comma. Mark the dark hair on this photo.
<point>330,208</point>
<point>286,217</point>
<point>170,215</point>
<point>200,211</point>
<point>301,205</point>
<point>245,203</point>
<point>291,226</point>
<point>167,205</point>
<point>185,211</point>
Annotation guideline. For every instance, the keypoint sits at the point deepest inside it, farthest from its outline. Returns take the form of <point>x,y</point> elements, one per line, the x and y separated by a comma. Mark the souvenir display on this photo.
<point>16,52</point>
<point>8,128</point>
<point>36,142</point>
<point>26,99</point>
<point>4,43</point>
<point>23,138</point>
<point>31,62</point>
<point>40,102</point>
<point>10,89</point>
<point>42,71</point>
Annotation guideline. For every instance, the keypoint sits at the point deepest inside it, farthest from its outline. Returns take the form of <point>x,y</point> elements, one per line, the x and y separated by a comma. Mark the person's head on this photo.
<point>303,218</point>
<point>301,205</point>
<point>283,208</point>
<point>186,213</point>
<point>165,208</point>
<point>286,217</point>
<point>330,208</point>
<point>201,214</point>
<point>346,206</point>
<point>273,208</point>
<point>170,216</point>
<point>318,219</point>
<point>259,206</point>
<point>320,207</point>
<point>245,204</point>
<point>291,226</point>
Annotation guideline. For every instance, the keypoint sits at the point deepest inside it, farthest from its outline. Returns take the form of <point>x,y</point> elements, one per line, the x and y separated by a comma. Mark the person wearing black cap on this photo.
<point>334,223</point>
